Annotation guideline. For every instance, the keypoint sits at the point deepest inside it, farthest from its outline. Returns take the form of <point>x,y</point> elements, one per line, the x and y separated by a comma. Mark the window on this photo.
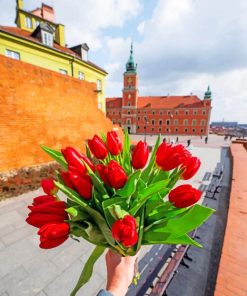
<point>47,38</point>
<point>152,121</point>
<point>145,112</point>
<point>194,122</point>
<point>128,121</point>
<point>128,112</point>
<point>203,112</point>
<point>37,24</point>
<point>195,112</point>
<point>160,129</point>
<point>185,121</point>
<point>175,122</point>
<point>167,130</point>
<point>119,120</point>
<point>153,112</point>
<point>202,122</point>
<point>119,113</point>
<point>176,112</point>
<point>152,129</point>
<point>138,118</point>
<point>161,112</point>
<point>138,127</point>
<point>100,106</point>
<point>12,54</point>
<point>193,130</point>
<point>128,103</point>
<point>113,113</point>
<point>186,112</point>
<point>28,21</point>
<point>168,112</point>
<point>160,122</point>
<point>144,127</point>
<point>202,130</point>
<point>81,75</point>
<point>176,130</point>
<point>113,121</point>
<point>186,130</point>
<point>145,118</point>
<point>168,122</point>
<point>64,72</point>
<point>99,84</point>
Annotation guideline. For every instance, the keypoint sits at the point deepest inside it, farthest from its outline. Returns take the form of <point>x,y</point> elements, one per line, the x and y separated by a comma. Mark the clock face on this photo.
<point>129,80</point>
<point>129,96</point>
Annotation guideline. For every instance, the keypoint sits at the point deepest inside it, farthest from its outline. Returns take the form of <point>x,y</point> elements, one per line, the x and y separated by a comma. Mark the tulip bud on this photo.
<point>49,187</point>
<point>67,181</point>
<point>124,231</point>
<point>169,157</point>
<point>140,155</point>
<point>113,142</point>
<point>53,235</point>
<point>83,184</point>
<point>75,159</point>
<point>102,169</point>
<point>184,196</point>
<point>189,167</point>
<point>98,147</point>
<point>43,199</point>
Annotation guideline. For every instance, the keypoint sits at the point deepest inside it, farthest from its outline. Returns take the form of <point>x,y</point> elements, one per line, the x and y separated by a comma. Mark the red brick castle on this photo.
<point>171,115</point>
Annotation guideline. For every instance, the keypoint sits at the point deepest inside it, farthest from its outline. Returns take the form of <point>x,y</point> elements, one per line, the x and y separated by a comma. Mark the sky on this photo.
<point>180,46</point>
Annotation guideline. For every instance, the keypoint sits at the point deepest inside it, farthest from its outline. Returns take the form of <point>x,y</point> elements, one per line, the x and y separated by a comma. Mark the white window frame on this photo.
<point>81,75</point>
<point>47,38</point>
<point>28,22</point>
<point>63,71</point>
<point>12,54</point>
<point>99,84</point>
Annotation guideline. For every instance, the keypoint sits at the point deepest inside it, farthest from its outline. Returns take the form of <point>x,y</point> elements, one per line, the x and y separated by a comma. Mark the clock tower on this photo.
<point>130,94</point>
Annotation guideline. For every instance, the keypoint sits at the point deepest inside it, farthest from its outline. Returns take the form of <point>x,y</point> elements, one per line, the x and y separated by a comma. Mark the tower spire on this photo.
<point>208,94</point>
<point>130,65</point>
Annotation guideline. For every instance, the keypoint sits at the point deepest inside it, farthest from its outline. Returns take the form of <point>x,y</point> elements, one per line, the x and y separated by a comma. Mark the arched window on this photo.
<point>168,122</point>
<point>128,121</point>
<point>160,122</point>
<point>185,121</point>
<point>175,122</point>
<point>194,122</point>
<point>152,121</point>
<point>202,122</point>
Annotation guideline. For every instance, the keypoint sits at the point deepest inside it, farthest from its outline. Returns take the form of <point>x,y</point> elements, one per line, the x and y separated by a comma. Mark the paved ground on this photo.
<point>27,270</point>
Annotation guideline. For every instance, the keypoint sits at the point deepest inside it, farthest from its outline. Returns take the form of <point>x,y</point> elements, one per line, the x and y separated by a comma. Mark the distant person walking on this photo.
<point>188,142</point>
<point>176,139</point>
<point>206,140</point>
<point>164,140</point>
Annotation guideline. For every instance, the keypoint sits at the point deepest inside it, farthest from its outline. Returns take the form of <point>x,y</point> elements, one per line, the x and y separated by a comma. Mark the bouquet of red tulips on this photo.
<point>119,199</point>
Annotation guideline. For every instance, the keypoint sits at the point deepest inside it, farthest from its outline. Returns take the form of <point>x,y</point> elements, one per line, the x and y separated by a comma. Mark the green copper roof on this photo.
<point>130,65</point>
<point>208,94</point>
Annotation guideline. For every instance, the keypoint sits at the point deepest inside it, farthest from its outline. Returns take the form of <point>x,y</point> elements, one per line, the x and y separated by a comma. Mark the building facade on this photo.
<point>171,115</point>
<point>40,41</point>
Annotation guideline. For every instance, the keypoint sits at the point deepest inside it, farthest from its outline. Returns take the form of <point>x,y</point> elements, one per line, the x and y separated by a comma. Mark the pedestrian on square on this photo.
<point>177,140</point>
<point>206,139</point>
<point>188,142</point>
<point>164,140</point>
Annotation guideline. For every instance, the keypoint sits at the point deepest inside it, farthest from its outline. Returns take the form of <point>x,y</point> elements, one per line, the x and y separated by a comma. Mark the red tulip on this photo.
<point>113,142</point>
<point>140,155</point>
<point>48,186</point>
<point>100,168</point>
<point>83,184</point>
<point>184,196</point>
<point>113,175</point>
<point>98,147</point>
<point>169,157</point>
<point>67,181</point>
<point>74,158</point>
<point>43,199</point>
<point>52,211</point>
<point>53,235</point>
<point>190,166</point>
<point>124,231</point>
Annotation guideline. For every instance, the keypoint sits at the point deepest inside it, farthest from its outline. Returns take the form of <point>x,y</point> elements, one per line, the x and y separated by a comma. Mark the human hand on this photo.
<point>120,272</point>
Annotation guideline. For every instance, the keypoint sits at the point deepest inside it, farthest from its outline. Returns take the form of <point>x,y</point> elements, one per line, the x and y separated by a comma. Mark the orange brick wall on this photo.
<point>38,106</point>
<point>232,277</point>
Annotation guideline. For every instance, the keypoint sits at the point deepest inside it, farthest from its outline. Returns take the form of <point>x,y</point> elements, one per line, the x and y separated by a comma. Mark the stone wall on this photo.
<point>15,182</point>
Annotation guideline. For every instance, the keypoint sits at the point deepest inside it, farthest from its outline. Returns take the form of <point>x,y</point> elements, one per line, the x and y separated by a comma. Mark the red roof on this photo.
<point>155,102</point>
<point>27,35</point>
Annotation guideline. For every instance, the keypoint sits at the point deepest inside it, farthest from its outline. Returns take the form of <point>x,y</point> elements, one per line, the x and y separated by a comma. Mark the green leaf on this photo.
<point>56,155</point>
<point>109,207</point>
<point>77,213</point>
<point>152,238</point>
<point>104,138</point>
<point>140,231</point>
<point>126,153</point>
<point>185,223</point>
<point>161,175</point>
<point>88,231</point>
<point>96,216</point>
<point>130,186</point>
<point>146,173</point>
<point>88,269</point>
<point>165,212</point>
<point>146,193</point>
<point>88,152</point>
